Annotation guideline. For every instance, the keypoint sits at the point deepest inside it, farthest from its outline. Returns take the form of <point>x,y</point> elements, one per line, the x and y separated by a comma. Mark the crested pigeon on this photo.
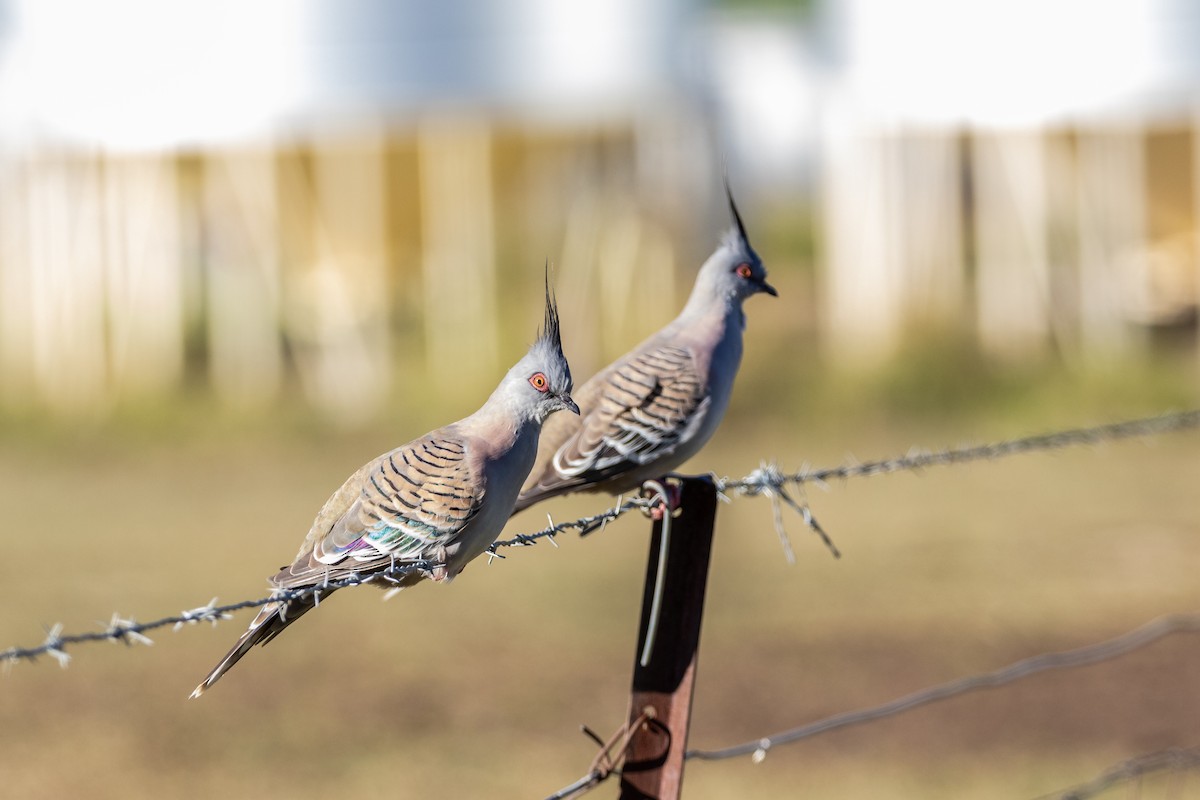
<point>657,405</point>
<point>442,498</point>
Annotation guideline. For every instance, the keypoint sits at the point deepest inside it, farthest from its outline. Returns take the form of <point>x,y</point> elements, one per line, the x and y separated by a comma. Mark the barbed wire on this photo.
<point>768,480</point>
<point>131,632</point>
<point>917,459</point>
<point>772,482</point>
<point>584,525</point>
<point>1135,639</point>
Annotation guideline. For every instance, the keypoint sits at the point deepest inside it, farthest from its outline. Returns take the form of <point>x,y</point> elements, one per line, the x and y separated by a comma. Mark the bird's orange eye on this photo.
<point>539,382</point>
<point>744,271</point>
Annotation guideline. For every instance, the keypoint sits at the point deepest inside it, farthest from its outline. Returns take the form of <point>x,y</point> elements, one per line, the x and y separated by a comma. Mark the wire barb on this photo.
<point>205,613</point>
<point>769,481</point>
<point>53,645</point>
<point>126,630</point>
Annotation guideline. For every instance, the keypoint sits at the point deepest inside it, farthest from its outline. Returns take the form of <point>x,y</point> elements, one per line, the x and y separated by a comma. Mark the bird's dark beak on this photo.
<point>763,286</point>
<point>568,403</point>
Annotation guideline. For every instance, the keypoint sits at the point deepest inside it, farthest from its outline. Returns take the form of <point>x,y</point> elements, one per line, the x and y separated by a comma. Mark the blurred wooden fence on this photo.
<point>334,266</point>
<point>1080,240</point>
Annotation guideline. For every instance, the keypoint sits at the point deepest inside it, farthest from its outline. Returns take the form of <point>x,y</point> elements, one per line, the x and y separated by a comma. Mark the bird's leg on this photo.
<point>440,572</point>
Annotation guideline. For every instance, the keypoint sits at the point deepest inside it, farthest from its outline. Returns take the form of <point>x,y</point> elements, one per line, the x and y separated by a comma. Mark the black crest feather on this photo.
<point>550,331</point>
<point>737,218</point>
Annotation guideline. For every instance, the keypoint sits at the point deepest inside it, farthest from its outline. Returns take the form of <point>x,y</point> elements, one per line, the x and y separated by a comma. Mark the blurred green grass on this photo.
<point>477,689</point>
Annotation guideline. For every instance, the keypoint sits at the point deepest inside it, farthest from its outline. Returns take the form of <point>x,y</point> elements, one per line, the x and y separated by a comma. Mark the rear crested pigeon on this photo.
<point>442,498</point>
<point>656,406</point>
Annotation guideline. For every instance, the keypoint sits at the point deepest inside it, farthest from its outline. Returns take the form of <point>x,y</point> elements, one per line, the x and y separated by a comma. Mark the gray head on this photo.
<point>734,271</point>
<point>542,379</point>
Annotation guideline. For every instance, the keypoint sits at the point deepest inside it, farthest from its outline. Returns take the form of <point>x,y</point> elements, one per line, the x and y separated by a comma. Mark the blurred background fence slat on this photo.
<point>145,271</point>
<point>1011,215</point>
<point>459,250</point>
<point>239,247</point>
<point>346,286</point>
<point>1112,224</point>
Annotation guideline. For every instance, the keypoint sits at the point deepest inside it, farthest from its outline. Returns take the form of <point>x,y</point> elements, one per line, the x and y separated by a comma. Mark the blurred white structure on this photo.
<point>988,159</point>
<point>144,75</point>
<point>302,172</point>
<point>1014,64</point>
<point>273,193</point>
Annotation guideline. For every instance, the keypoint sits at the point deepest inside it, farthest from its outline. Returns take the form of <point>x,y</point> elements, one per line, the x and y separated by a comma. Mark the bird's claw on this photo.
<point>664,496</point>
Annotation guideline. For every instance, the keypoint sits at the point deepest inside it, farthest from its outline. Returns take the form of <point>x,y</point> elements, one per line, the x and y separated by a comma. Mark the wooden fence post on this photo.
<point>661,699</point>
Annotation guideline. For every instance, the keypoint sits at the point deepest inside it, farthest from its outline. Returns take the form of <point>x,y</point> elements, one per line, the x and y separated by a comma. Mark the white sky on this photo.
<point>147,73</point>
<point>1013,62</point>
<point>160,73</point>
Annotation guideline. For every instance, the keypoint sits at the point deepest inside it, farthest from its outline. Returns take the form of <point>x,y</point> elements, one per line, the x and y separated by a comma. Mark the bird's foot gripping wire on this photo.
<point>663,495</point>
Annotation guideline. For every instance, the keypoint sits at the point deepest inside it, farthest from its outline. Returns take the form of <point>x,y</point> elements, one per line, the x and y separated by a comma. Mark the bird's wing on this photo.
<point>635,413</point>
<point>403,506</point>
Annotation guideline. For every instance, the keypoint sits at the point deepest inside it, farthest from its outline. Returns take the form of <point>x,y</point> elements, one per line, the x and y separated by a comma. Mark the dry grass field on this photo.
<point>478,689</point>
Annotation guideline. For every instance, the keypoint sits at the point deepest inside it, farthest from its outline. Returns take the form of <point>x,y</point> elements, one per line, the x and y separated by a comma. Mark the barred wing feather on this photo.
<point>403,506</point>
<point>637,412</point>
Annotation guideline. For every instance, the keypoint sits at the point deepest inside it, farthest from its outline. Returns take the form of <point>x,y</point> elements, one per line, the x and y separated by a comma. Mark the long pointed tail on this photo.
<point>271,620</point>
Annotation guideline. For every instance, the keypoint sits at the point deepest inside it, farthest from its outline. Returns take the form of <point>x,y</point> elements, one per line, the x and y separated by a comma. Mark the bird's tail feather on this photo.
<point>271,620</point>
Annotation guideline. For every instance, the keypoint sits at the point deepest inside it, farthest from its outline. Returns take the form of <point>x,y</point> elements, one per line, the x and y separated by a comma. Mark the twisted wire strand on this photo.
<point>131,632</point>
<point>770,477</point>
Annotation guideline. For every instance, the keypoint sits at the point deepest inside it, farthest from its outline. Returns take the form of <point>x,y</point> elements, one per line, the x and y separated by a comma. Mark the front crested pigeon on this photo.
<point>656,406</point>
<point>442,498</point>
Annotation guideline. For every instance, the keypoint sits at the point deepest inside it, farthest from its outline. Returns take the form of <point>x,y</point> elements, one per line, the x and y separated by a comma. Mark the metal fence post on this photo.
<point>661,698</point>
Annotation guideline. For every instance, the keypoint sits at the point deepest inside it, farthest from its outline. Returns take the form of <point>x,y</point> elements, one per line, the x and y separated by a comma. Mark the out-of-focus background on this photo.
<point>245,247</point>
